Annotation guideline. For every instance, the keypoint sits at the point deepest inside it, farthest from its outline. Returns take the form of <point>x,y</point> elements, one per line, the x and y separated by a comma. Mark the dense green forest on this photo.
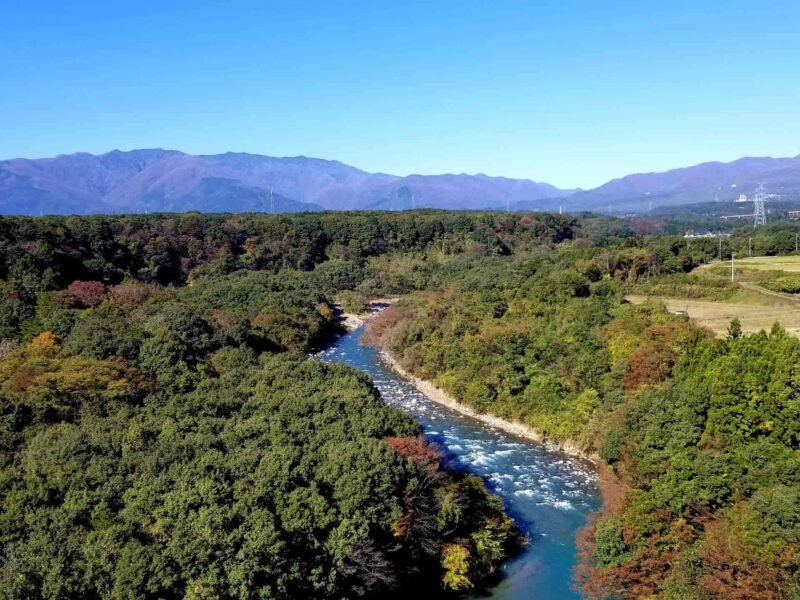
<point>173,441</point>
<point>164,436</point>
<point>701,434</point>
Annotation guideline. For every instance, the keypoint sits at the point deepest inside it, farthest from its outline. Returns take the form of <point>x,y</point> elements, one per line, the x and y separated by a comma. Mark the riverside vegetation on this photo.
<point>164,436</point>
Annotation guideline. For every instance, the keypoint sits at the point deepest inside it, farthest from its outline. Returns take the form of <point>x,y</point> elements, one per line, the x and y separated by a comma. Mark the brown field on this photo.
<point>789,264</point>
<point>754,310</point>
<point>756,307</point>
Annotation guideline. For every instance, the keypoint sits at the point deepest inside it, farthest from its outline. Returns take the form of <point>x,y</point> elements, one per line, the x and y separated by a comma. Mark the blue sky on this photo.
<point>573,93</point>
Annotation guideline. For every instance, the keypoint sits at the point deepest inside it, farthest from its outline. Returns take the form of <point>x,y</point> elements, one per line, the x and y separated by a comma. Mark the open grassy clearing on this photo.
<point>754,310</point>
<point>708,297</point>
<point>788,264</point>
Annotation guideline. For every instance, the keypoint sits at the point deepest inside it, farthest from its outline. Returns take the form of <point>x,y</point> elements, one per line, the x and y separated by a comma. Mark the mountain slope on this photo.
<point>699,183</point>
<point>464,191</point>
<point>168,180</point>
<point>165,180</point>
<point>67,184</point>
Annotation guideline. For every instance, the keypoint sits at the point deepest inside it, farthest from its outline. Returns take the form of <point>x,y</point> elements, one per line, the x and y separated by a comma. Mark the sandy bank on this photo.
<point>350,321</point>
<point>441,397</point>
<point>436,394</point>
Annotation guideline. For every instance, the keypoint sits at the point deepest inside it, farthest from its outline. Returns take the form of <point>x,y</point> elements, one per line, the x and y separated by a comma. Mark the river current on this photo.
<point>548,493</point>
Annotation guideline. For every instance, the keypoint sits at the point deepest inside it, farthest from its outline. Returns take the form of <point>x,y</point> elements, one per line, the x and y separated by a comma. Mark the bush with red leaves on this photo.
<point>87,293</point>
<point>414,448</point>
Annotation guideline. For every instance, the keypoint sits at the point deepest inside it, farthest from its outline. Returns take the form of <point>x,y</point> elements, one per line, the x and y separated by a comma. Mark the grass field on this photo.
<point>754,310</point>
<point>713,304</point>
<point>789,264</point>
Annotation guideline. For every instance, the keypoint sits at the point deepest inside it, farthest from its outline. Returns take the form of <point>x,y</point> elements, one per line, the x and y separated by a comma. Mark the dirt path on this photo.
<point>754,287</point>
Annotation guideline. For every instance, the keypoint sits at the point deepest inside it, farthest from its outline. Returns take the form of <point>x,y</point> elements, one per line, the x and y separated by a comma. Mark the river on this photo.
<point>549,493</point>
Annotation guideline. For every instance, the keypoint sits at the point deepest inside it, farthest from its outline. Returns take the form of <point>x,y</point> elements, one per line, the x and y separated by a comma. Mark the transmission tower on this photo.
<point>759,212</point>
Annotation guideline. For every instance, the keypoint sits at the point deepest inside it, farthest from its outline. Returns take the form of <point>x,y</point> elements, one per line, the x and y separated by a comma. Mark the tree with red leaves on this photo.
<point>87,293</point>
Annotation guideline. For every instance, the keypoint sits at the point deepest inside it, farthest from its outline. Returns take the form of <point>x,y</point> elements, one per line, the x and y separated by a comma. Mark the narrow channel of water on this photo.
<point>548,493</point>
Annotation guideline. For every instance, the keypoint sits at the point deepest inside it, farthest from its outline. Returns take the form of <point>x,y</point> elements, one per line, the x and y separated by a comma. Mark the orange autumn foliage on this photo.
<point>654,359</point>
<point>733,572</point>
<point>415,449</point>
<point>46,339</point>
<point>383,324</point>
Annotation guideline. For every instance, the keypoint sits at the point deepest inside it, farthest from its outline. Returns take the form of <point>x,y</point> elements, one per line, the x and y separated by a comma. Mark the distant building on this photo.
<point>707,234</point>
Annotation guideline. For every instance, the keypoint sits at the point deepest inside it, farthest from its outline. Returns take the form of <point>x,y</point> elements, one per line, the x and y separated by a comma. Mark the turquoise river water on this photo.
<point>549,493</point>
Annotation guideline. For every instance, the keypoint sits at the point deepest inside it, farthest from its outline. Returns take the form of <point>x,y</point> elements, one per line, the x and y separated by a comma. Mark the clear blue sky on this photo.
<point>572,93</point>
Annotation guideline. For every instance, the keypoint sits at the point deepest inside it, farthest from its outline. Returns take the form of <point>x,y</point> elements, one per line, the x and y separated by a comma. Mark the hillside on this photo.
<point>167,180</point>
<point>698,183</point>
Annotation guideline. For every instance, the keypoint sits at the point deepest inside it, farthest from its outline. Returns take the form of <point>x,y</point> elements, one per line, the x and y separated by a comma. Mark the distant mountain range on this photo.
<point>167,180</point>
<point>705,182</point>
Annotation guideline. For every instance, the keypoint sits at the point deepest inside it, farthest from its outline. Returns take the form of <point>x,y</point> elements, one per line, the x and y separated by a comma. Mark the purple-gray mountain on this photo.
<point>167,180</point>
<point>705,182</point>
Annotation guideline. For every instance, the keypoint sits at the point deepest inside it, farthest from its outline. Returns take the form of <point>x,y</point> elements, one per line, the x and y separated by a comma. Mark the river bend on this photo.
<point>549,493</point>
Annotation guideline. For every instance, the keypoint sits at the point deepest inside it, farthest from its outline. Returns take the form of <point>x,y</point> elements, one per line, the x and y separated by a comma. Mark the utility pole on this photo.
<point>271,201</point>
<point>719,239</point>
<point>795,242</point>
<point>750,245</point>
<point>733,272</point>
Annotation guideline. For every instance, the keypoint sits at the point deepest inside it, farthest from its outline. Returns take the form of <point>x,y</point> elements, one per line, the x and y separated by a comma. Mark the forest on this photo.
<point>699,435</point>
<point>165,436</point>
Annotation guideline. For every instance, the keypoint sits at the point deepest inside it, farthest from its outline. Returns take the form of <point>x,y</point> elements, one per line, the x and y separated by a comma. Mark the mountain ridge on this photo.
<point>169,180</point>
<point>702,182</point>
<point>156,179</point>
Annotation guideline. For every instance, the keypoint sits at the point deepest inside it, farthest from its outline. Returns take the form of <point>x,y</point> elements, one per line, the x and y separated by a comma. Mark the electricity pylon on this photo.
<point>759,212</point>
